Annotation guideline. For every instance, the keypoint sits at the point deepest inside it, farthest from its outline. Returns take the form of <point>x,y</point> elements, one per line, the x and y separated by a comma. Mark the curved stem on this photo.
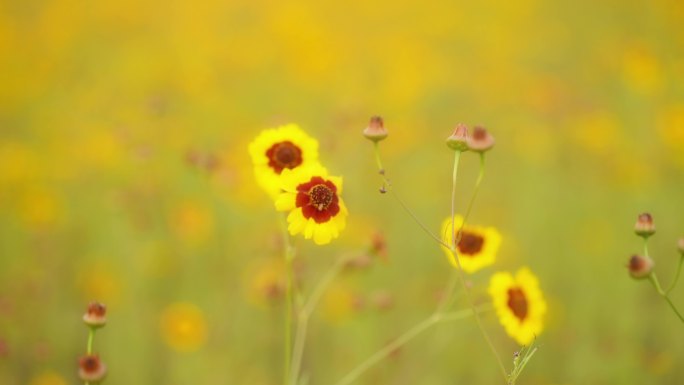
<point>676,278</point>
<point>303,319</point>
<point>457,155</point>
<point>387,186</point>
<point>400,341</point>
<point>654,280</point>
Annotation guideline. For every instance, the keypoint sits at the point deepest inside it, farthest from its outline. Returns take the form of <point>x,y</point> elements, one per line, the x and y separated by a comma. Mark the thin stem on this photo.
<point>445,300</point>
<point>676,278</point>
<point>480,176</point>
<point>303,321</point>
<point>654,280</point>
<point>289,257</point>
<point>91,337</point>
<point>645,246</point>
<point>402,340</point>
<point>387,186</point>
<point>457,155</point>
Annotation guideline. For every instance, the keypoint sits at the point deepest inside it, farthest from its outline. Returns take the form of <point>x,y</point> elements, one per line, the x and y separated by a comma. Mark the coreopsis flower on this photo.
<point>477,245</point>
<point>91,368</point>
<point>282,148</point>
<point>313,199</point>
<point>519,304</point>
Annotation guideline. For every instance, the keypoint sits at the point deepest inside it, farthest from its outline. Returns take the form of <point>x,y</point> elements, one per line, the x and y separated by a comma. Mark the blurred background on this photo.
<point>125,177</point>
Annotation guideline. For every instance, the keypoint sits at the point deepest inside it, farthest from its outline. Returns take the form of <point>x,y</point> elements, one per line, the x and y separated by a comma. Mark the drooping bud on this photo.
<point>644,226</point>
<point>640,266</point>
<point>96,315</point>
<point>376,129</point>
<point>91,369</point>
<point>458,141</point>
<point>481,140</point>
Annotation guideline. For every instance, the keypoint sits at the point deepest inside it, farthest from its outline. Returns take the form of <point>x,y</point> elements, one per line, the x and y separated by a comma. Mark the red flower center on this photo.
<point>318,199</point>
<point>284,155</point>
<point>517,302</point>
<point>90,363</point>
<point>97,309</point>
<point>470,243</point>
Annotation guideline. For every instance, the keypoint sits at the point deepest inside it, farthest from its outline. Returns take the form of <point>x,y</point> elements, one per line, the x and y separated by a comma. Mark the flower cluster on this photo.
<point>640,266</point>
<point>90,368</point>
<point>286,166</point>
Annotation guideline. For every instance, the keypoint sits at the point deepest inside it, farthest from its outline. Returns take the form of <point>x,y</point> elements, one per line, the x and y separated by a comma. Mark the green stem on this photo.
<point>402,340</point>
<point>645,246</point>
<point>457,155</point>
<point>676,278</point>
<point>289,257</point>
<point>480,176</point>
<point>387,186</point>
<point>91,337</point>
<point>654,280</point>
<point>303,322</point>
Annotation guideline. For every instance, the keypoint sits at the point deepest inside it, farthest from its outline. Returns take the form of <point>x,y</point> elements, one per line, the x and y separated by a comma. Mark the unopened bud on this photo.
<point>644,226</point>
<point>639,266</point>
<point>96,315</point>
<point>481,140</point>
<point>91,369</point>
<point>458,141</point>
<point>376,129</point>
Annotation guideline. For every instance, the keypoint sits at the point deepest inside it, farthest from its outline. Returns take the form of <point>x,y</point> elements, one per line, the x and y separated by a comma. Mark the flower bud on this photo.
<point>644,226</point>
<point>639,266</point>
<point>481,140</point>
<point>91,369</point>
<point>458,141</point>
<point>376,129</point>
<point>96,315</point>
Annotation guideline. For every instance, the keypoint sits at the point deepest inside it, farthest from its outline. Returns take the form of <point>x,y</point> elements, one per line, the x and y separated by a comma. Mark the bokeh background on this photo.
<point>125,177</point>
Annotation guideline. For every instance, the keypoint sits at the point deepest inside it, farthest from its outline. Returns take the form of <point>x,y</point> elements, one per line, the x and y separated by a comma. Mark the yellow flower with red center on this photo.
<point>313,200</point>
<point>277,149</point>
<point>519,304</point>
<point>476,248</point>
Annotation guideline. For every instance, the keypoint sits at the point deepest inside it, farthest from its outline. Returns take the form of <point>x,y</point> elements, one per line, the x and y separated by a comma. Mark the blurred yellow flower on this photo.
<point>265,281</point>
<point>313,200</point>
<point>100,281</point>
<point>339,303</point>
<point>519,304</point>
<point>183,326</point>
<point>48,378</point>
<point>477,247</point>
<point>192,222</point>
<point>278,149</point>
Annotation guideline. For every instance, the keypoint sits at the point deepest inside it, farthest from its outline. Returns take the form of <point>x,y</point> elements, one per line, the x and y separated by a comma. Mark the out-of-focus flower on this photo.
<point>376,130</point>
<point>339,303</point>
<point>91,369</point>
<point>519,304</point>
<point>458,141</point>
<point>48,378</point>
<point>278,149</point>
<point>265,281</point>
<point>183,326</point>
<point>192,222</point>
<point>480,140</point>
<point>382,300</point>
<point>96,315</point>
<point>640,266</point>
<point>680,245</point>
<point>313,200</point>
<point>476,248</point>
<point>379,246</point>
<point>100,280</point>
<point>644,226</point>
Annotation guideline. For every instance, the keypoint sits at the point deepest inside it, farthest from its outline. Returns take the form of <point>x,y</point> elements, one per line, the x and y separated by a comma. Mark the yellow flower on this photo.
<point>278,149</point>
<point>183,326</point>
<point>477,247</point>
<point>519,304</point>
<point>313,200</point>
